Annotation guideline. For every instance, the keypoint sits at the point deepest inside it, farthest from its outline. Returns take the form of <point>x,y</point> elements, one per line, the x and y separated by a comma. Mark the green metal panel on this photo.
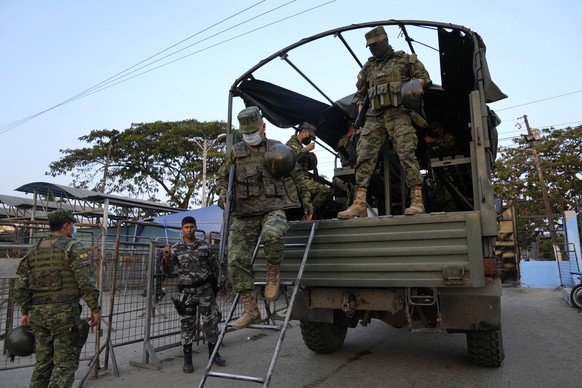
<point>397,251</point>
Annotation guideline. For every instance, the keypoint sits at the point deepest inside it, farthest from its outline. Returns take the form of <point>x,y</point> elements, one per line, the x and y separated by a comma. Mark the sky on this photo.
<point>70,67</point>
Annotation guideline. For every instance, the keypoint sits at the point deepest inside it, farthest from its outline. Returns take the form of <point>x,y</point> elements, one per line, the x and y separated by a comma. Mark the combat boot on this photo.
<point>251,314</point>
<point>416,202</point>
<point>188,367</point>
<point>272,287</point>
<point>218,359</point>
<point>358,208</point>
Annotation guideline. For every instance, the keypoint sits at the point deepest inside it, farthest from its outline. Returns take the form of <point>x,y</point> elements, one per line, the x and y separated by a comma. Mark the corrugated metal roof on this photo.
<point>45,188</point>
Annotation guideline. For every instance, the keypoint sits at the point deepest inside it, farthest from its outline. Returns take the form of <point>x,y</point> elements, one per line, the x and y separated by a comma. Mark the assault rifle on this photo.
<point>361,118</point>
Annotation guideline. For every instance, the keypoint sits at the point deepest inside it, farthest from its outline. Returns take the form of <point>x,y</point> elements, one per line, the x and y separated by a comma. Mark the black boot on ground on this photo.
<point>218,359</point>
<point>188,367</point>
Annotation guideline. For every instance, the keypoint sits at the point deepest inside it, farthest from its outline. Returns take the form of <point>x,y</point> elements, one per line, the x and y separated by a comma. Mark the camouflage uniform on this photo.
<point>445,145</point>
<point>51,279</point>
<point>197,281</point>
<point>381,80</point>
<point>258,209</point>
<point>320,193</point>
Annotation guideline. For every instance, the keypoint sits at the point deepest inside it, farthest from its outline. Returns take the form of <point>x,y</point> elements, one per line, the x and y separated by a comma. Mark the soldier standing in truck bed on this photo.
<point>382,79</point>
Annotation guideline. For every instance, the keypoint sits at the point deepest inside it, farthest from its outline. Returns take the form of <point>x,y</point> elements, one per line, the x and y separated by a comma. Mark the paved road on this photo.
<point>541,334</point>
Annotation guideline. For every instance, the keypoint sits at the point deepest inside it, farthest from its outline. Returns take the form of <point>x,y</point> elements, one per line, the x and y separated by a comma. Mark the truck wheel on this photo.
<point>485,347</point>
<point>576,296</point>
<point>322,337</point>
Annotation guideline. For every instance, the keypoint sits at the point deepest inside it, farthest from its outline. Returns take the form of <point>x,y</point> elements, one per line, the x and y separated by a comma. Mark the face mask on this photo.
<point>252,139</point>
<point>74,231</point>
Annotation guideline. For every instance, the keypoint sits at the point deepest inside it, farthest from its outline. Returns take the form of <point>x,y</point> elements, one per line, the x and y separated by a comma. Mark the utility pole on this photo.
<point>531,138</point>
<point>205,147</point>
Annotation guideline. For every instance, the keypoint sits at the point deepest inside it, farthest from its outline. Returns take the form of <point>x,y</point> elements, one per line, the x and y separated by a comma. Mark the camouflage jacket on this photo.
<point>57,270</point>
<point>194,263</point>
<point>445,145</point>
<point>257,201</point>
<point>301,154</point>
<point>388,74</point>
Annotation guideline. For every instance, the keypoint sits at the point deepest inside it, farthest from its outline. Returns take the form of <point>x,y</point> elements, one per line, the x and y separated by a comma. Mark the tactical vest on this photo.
<point>256,191</point>
<point>193,269</point>
<point>50,278</point>
<point>385,80</point>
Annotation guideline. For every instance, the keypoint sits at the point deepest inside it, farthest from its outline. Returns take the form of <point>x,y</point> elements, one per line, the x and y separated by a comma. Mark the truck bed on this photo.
<point>429,250</point>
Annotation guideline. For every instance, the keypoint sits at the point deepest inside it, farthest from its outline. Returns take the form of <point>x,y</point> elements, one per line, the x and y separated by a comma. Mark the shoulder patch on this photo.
<point>83,257</point>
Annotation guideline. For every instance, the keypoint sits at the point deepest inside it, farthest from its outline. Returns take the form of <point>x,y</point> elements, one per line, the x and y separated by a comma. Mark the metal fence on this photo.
<point>135,300</point>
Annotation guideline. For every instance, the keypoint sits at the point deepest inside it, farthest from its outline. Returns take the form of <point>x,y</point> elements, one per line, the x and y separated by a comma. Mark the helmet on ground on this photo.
<point>411,93</point>
<point>20,341</point>
<point>280,160</point>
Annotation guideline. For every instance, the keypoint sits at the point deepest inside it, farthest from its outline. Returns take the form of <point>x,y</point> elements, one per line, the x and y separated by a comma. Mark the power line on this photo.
<point>534,102</point>
<point>120,76</point>
<point>7,127</point>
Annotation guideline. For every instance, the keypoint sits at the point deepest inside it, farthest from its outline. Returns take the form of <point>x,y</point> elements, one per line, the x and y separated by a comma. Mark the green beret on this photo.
<point>375,35</point>
<point>249,119</point>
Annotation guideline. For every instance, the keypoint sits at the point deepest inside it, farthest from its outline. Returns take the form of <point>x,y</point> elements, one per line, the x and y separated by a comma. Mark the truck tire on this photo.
<point>322,337</point>
<point>576,296</point>
<point>485,347</point>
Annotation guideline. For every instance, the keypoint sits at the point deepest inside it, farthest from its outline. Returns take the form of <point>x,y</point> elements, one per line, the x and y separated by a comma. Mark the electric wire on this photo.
<point>120,76</point>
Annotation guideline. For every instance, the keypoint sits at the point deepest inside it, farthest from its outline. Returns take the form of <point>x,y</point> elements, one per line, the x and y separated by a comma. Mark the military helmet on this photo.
<point>411,93</point>
<point>249,119</point>
<point>375,35</point>
<point>280,160</point>
<point>20,341</point>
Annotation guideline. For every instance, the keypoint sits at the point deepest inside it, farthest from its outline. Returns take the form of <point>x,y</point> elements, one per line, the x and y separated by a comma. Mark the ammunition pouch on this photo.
<point>79,333</point>
<point>180,308</point>
<point>418,120</point>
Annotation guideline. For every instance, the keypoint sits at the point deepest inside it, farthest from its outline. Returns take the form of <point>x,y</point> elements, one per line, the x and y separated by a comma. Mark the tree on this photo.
<point>515,178</point>
<point>145,159</point>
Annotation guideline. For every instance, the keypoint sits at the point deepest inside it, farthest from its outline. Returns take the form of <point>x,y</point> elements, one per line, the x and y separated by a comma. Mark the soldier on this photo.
<point>320,193</point>
<point>442,143</point>
<point>262,192</point>
<point>381,79</point>
<point>52,277</point>
<point>197,272</point>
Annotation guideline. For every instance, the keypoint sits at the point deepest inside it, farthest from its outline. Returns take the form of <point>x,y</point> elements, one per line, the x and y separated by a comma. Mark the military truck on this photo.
<point>433,272</point>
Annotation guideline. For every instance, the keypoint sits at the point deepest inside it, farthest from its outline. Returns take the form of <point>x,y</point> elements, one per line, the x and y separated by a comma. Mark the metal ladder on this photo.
<point>265,380</point>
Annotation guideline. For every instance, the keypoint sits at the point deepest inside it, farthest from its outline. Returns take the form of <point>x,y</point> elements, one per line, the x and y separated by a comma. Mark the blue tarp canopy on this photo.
<point>208,219</point>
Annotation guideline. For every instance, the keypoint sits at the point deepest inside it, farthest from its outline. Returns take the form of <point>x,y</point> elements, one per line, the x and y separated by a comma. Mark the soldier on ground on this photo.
<point>382,79</point>
<point>52,278</point>
<point>197,271</point>
<point>266,182</point>
<point>302,145</point>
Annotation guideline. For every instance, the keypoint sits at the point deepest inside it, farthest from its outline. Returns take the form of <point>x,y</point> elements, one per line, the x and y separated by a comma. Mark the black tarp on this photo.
<point>285,109</point>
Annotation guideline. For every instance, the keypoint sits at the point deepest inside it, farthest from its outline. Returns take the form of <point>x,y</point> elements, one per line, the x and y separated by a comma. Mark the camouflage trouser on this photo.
<point>56,358</point>
<point>346,187</point>
<point>243,235</point>
<point>320,193</point>
<point>393,123</point>
<point>204,298</point>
